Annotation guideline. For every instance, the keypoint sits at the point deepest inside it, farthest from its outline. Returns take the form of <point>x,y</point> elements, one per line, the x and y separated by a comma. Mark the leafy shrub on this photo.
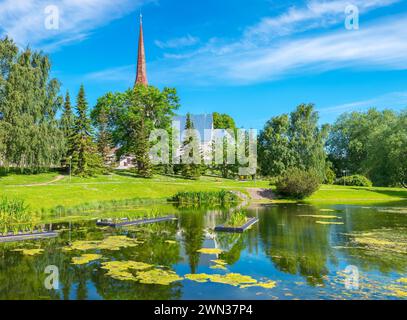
<point>330,175</point>
<point>355,180</point>
<point>298,184</point>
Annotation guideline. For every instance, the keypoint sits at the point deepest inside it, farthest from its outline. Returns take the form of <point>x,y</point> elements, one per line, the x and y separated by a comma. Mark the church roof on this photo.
<point>141,59</point>
<point>200,121</point>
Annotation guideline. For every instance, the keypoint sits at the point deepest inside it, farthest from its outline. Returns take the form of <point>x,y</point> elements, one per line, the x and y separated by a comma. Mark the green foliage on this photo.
<point>211,198</point>
<point>330,175</point>
<point>297,183</point>
<point>14,215</point>
<point>191,169</point>
<point>29,101</point>
<point>223,121</point>
<point>293,140</point>
<point>131,115</point>
<point>85,159</point>
<point>236,219</point>
<point>355,180</point>
<point>372,144</point>
<point>100,120</point>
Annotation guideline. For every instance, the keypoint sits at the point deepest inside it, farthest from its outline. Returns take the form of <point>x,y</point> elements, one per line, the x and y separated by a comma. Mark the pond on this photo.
<point>293,252</point>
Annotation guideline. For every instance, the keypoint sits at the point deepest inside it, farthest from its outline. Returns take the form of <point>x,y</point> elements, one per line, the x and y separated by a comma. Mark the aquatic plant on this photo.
<point>221,198</point>
<point>85,258</point>
<point>236,219</point>
<point>210,251</point>
<point>113,243</point>
<point>158,276</point>
<point>14,216</point>
<point>328,222</point>
<point>30,252</point>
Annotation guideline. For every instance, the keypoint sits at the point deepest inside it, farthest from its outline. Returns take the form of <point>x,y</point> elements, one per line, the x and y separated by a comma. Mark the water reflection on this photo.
<point>284,246</point>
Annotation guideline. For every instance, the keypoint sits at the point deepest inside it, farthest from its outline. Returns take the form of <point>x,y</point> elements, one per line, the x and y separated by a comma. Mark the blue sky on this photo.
<point>252,59</point>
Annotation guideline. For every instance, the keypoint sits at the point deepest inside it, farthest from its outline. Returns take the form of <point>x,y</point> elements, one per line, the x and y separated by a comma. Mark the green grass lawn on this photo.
<point>69,193</point>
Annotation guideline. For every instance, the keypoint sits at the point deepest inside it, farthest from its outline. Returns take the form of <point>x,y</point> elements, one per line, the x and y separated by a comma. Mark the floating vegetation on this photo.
<point>383,240</point>
<point>236,219</point>
<point>158,276</point>
<point>328,222</point>
<point>170,241</point>
<point>120,270</point>
<point>113,243</point>
<point>267,285</point>
<point>210,251</point>
<point>318,216</point>
<point>222,198</point>
<point>85,258</point>
<point>393,210</point>
<point>233,279</point>
<point>327,210</point>
<point>199,277</point>
<point>397,291</point>
<point>218,267</point>
<point>30,252</point>
<point>219,261</point>
<point>402,280</point>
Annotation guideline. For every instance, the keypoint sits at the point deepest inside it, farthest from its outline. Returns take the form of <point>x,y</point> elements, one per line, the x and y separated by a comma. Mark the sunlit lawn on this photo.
<point>76,191</point>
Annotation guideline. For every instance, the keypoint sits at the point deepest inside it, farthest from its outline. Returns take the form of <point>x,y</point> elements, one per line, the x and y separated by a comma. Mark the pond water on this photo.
<point>301,251</point>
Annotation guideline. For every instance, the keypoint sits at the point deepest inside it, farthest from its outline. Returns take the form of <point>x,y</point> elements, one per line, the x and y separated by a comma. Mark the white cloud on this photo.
<point>315,14</point>
<point>24,20</point>
<point>182,42</point>
<point>393,100</point>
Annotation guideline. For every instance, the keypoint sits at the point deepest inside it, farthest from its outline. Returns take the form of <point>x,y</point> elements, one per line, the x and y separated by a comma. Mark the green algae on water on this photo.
<point>85,258</point>
<point>158,276</point>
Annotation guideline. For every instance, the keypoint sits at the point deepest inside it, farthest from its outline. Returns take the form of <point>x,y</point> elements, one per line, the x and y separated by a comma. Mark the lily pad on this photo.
<point>210,251</point>
<point>328,222</point>
<point>30,252</point>
<point>158,276</point>
<point>85,258</point>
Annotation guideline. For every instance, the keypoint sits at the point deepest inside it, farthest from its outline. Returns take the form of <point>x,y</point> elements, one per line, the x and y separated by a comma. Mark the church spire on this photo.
<point>141,60</point>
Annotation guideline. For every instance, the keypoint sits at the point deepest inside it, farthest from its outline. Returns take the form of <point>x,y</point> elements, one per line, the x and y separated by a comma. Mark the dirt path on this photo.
<point>57,178</point>
<point>260,194</point>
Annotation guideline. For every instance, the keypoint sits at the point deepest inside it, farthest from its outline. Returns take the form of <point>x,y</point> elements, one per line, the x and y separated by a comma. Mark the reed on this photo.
<point>205,198</point>
<point>236,219</point>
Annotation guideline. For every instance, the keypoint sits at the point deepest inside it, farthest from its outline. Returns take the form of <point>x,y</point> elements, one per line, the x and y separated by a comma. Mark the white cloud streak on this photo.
<point>24,20</point>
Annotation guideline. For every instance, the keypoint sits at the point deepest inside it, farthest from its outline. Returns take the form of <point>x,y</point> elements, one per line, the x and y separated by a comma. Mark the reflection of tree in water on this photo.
<point>155,251</point>
<point>296,245</point>
<point>233,244</point>
<point>192,224</point>
<point>22,277</point>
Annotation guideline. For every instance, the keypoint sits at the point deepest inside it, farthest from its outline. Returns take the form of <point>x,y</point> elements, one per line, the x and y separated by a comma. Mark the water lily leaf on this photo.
<point>85,258</point>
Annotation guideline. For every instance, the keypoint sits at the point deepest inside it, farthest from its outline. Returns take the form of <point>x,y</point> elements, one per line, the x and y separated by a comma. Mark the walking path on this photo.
<point>260,194</point>
<point>57,178</point>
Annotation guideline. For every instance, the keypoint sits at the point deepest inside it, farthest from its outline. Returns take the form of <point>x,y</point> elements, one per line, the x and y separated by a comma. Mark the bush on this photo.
<point>222,197</point>
<point>355,180</point>
<point>298,184</point>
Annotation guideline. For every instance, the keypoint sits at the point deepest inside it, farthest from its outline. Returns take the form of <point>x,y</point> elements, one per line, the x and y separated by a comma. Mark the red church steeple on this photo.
<point>141,60</point>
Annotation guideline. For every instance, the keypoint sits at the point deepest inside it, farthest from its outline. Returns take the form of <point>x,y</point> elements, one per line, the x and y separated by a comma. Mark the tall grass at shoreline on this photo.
<point>221,198</point>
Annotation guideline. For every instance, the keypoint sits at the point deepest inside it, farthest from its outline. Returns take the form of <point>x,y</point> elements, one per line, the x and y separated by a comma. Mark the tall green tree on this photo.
<point>85,159</point>
<point>294,140</point>
<point>131,117</point>
<point>100,120</point>
<point>67,124</point>
<point>191,157</point>
<point>370,143</point>
<point>29,102</point>
<point>227,123</point>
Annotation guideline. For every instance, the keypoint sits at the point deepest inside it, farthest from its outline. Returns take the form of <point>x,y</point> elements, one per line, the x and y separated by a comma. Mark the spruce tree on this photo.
<point>190,148</point>
<point>85,159</point>
<point>67,124</point>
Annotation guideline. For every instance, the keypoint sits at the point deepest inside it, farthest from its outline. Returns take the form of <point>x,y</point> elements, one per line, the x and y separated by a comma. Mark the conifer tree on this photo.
<point>191,158</point>
<point>85,159</point>
<point>67,124</point>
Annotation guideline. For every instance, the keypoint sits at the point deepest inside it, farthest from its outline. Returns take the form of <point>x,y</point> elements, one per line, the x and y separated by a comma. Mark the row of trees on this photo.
<point>371,144</point>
